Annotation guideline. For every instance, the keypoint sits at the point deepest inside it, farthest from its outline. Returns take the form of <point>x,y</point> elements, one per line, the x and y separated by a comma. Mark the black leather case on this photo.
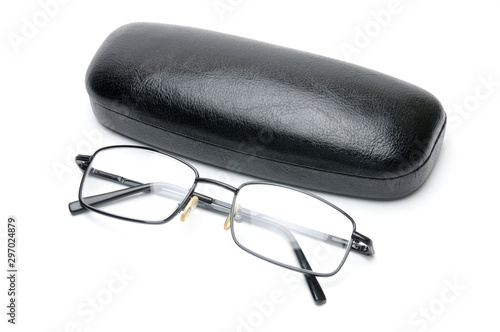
<point>272,112</point>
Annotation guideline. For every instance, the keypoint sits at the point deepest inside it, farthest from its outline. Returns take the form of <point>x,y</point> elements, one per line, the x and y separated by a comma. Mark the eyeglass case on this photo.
<point>268,111</point>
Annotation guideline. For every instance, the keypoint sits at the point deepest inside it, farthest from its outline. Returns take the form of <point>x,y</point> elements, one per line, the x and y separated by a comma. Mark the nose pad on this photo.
<point>193,202</point>
<point>227,223</point>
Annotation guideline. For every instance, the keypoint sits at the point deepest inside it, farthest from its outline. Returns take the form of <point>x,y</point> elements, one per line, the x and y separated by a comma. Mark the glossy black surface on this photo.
<point>272,112</point>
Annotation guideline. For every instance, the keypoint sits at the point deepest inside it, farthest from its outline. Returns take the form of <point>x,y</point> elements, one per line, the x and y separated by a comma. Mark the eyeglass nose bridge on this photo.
<point>207,202</point>
<point>222,185</point>
<point>217,183</point>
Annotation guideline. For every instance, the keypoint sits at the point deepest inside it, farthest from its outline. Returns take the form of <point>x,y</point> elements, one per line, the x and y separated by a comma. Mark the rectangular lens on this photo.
<point>279,224</point>
<point>136,183</point>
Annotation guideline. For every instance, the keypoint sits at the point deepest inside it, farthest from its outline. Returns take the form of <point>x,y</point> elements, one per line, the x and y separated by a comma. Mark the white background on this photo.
<point>191,276</point>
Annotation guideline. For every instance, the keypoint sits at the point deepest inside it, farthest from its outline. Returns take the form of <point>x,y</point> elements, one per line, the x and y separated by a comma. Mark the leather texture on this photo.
<point>268,111</point>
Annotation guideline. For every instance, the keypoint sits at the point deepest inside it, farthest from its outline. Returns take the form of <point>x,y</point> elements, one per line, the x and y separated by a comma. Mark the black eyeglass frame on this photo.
<point>357,242</point>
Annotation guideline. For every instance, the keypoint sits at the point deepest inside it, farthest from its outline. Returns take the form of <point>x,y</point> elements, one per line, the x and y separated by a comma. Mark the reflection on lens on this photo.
<point>274,222</point>
<point>136,183</point>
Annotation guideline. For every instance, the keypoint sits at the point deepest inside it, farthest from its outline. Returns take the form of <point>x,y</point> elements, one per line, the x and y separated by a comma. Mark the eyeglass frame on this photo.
<point>358,242</point>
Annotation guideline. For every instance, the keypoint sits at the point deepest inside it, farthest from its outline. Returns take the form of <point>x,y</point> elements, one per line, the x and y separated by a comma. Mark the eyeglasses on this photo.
<point>279,224</point>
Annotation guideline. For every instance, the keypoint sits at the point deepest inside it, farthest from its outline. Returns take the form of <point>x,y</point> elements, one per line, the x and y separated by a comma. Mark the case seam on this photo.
<point>284,162</point>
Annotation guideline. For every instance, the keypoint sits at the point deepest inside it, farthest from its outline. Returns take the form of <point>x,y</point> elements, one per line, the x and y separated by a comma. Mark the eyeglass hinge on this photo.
<point>359,247</point>
<point>82,161</point>
<point>362,244</point>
